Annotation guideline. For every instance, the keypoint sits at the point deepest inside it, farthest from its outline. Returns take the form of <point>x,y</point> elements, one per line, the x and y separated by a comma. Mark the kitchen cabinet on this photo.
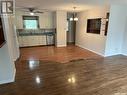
<point>25,41</point>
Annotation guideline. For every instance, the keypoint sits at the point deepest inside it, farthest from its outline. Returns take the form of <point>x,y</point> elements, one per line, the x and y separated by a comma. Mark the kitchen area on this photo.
<point>35,30</point>
<point>38,37</point>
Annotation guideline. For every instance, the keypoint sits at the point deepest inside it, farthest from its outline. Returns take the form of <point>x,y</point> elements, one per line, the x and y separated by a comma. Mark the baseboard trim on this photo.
<point>90,50</point>
<point>113,55</point>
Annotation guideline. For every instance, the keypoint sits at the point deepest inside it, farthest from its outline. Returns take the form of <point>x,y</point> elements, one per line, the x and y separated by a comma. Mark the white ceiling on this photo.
<point>65,4</point>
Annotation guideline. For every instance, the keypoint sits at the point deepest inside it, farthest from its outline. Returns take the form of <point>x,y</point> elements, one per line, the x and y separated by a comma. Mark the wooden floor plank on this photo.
<point>90,76</point>
<point>51,53</point>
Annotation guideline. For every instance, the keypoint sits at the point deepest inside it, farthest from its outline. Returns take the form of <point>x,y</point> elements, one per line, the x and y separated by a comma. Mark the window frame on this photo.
<point>34,17</point>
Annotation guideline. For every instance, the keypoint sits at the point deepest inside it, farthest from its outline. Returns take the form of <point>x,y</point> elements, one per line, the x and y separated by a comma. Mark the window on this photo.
<point>31,22</point>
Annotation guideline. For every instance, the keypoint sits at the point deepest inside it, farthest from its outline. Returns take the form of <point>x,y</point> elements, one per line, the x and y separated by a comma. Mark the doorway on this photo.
<point>71,31</point>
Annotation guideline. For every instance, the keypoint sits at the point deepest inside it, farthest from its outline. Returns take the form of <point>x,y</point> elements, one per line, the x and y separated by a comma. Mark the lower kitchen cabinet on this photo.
<point>25,41</point>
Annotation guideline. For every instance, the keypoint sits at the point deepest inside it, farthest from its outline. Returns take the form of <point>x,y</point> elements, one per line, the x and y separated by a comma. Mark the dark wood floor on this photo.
<point>51,53</point>
<point>95,76</point>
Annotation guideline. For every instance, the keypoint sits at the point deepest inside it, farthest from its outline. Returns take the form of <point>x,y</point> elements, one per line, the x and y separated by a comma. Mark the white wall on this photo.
<point>116,41</point>
<point>46,20</point>
<point>7,67</point>
<point>61,33</point>
<point>93,42</point>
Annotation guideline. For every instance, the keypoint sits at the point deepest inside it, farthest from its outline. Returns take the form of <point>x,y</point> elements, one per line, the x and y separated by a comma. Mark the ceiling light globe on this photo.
<point>75,19</point>
<point>71,19</point>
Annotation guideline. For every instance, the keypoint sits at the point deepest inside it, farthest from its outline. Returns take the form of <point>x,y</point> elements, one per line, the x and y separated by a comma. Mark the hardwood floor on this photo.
<point>95,76</point>
<point>52,53</point>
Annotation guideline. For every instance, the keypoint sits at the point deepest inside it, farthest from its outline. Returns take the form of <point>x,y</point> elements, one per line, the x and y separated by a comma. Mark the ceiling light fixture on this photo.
<point>74,17</point>
<point>31,13</point>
